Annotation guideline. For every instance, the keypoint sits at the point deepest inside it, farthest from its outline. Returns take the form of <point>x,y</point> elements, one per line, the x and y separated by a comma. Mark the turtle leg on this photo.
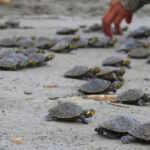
<point>50,118</point>
<point>141,102</point>
<point>83,119</point>
<point>127,139</point>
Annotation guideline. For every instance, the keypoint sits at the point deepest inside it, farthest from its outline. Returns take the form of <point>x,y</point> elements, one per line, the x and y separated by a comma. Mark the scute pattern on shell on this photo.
<point>65,110</point>
<point>112,61</point>
<point>120,124</point>
<point>130,95</point>
<point>95,86</point>
<point>77,71</point>
<point>142,131</point>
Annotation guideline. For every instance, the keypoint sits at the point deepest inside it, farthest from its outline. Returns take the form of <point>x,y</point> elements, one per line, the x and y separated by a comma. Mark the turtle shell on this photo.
<point>65,110</point>
<point>128,45</point>
<point>101,42</point>
<point>130,96</point>
<point>24,42</point>
<point>120,123</point>
<point>9,42</point>
<point>139,53</point>
<point>81,42</point>
<point>36,60</point>
<point>112,61</point>
<point>44,43</point>
<point>12,24</point>
<point>141,32</point>
<point>77,72</point>
<point>62,46</point>
<point>141,131</point>
<point>107,74</point>
<point>67,31</point>
<point>95,86</point>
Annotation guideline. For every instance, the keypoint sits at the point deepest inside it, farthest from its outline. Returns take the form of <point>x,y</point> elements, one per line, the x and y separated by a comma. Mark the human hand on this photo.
<point>115,14</point>
<point>4,1</point>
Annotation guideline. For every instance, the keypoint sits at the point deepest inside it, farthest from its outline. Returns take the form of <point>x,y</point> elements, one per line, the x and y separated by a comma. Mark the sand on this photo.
<point>23,115</point>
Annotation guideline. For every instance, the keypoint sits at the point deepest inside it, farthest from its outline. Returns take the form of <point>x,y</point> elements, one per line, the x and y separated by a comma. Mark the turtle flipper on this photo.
<point>83,119</point>
<point>50,118</point>
<point>141,102</point>
<point>127,139</point>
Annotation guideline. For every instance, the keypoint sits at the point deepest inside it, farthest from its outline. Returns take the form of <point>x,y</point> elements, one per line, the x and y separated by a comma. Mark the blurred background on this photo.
<point>83,8</point>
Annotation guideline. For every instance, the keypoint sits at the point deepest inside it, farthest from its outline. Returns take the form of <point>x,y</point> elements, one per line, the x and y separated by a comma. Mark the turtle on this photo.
<point>12,23</point>
<point>63,46</point>
<point>139,53</point>
<point>68,111</point>
<point>117,126</point>
<point>128,45</point>
<point>24,42</point>
<point>44,43</point>
<point>67,31</point>
<point>80,42</point>
<point>13,61</point>
<point>140,32</point>
<point>29,51</point>
<point>116,61</point>
<point>111,74</point>
<point>36,60</point>
<point>77,72</point>
<point>134,97</point>
<point>97,86</point>
<point>101,42</point>
<point>93,28</point>
<point>8,42</point>
<point>138,133</point>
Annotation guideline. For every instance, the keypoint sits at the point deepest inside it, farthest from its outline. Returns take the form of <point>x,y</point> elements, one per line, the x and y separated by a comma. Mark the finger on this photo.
<point>110,17</point>
<point>117,23</point>
<point>104,21</point>
<point>128,19</point>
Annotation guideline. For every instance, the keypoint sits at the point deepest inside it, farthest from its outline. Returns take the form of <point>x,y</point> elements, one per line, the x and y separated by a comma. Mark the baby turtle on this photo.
<point>67,31</point>
<point>68,111</point>
<point>139,53</point>
<point>25,42</point>
<point>8,42</point>
<point>128,45</point>
<point>138,133</point>
<point>97,86</point>
<point>77,72</point>
<point>111,74</point>
<point>116,127</point>
<point>44,43</point>
<point>116,61</point>
<point>101,42</point>
<point>141,32</point>
<point>93,28</point>
<point>80,42</point>
<point>36,60</point>
<point>13,61</point>
<point>133,96</point>
<point>63,46</point>
<point>13,24</point>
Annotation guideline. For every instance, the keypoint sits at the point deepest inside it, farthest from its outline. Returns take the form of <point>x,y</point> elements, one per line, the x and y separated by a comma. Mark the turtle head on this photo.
<point>89,113</point>
<point>117,84</point>
<point>127,62</point>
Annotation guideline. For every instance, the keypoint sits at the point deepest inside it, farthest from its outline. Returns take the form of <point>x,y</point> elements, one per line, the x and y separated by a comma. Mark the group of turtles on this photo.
<point>125,128</point>
<point>100,80</point>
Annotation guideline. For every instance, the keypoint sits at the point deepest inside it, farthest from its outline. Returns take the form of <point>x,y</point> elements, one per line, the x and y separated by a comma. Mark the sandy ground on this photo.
<point>23,115</point>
